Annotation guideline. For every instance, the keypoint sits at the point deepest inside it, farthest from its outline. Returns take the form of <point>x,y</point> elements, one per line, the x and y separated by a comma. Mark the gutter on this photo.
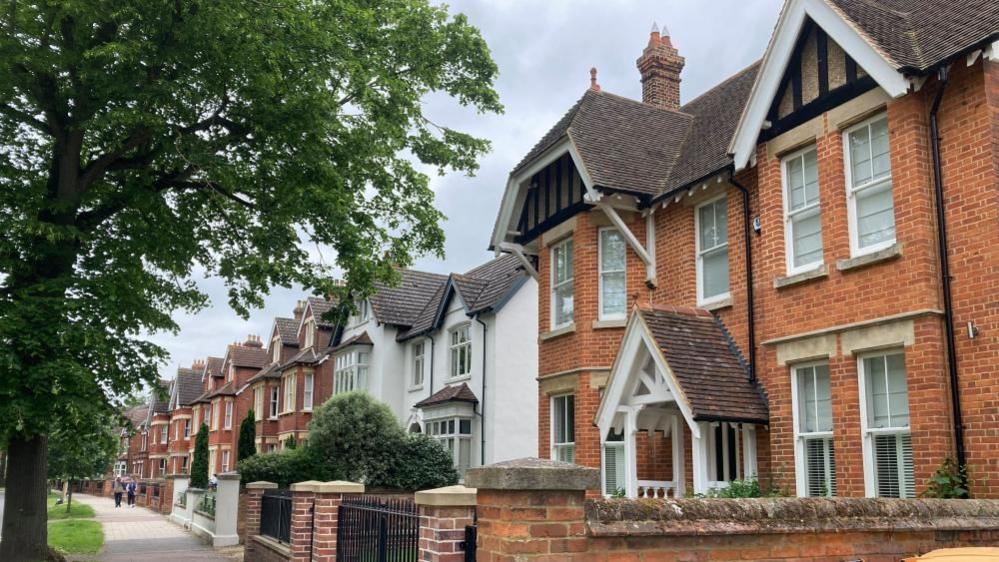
<point>943,77</point>
<point>750,308</point>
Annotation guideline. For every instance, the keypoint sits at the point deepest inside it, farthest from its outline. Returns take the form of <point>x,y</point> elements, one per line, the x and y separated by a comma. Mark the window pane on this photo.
<point>806,400</point>
<point>898,392</point>
<point>860,156</point>
<point>612,251</point>
<point>614,299</point>
<point>796,183</point>
<point>570,418</point>
<point>879,147</point>
<point>823,403</point>
<point>465,427</point>
<point>807,239</point>
<point>715,268</point>
<point>875,216</point>
<point>712,224</point>
<point>820,467</point>
<point>893,466</point>
<point>563,304</point>
<point>811,177</point>
<point>877,399</point>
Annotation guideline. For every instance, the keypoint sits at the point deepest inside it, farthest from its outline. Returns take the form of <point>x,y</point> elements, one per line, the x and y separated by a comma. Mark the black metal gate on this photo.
<point>275,515</point>
<point>373,529</point>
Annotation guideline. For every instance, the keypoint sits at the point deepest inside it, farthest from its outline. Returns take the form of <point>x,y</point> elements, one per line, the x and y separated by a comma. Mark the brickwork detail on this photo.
<point>442,530</point>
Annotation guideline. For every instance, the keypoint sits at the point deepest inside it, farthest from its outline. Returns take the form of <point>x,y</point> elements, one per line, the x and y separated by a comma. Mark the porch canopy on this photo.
<point>678,368</point>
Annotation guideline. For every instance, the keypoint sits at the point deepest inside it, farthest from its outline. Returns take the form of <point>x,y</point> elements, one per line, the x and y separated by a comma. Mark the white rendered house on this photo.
<point>454,356</point>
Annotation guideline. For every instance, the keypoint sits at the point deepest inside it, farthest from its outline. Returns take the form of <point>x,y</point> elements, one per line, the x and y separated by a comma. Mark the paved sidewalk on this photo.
<point>139,534</point>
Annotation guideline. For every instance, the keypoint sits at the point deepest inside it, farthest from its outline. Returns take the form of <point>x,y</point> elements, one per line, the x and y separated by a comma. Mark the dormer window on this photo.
<point>361,314</point>
<point>276,349</point>
<point>310,332</point>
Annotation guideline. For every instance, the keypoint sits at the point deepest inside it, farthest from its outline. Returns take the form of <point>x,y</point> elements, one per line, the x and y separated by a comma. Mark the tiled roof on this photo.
<point>160,403</point>
<point>457,393</point>
<point>401,304</point>
<point>254,357</point>
<point>918,34</point>
<point>319,308</point>
<point>703,358</point>
<point>269,372</point>
<point>287,328</point>
<point>715,115</point>
<point>188,384</point>
<point>624,144</point>
<point>214,366</point>
<point>228,389</point>
<point>137,415</point>
<point>481,289</point>
<point>307,356</point>
<point>359,339</point>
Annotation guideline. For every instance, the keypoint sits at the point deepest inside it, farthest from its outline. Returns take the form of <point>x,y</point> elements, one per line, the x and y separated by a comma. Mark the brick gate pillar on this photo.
<point>531,509</point>
<point>254,496</point>
<point>329,496</point>
<point>444,514</point>
<point>303,497</point>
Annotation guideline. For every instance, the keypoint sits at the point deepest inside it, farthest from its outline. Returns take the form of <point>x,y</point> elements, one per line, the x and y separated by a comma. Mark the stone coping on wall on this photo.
<point>448,496</point>
<point>713,516</point>
<point>533,474</point>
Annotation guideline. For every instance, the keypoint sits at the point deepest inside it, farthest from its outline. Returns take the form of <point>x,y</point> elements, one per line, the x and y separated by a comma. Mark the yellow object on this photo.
<point>977,554</point>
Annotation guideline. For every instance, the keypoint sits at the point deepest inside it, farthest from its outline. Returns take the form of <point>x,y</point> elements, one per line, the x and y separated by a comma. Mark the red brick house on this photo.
<point>157,436</point>
<point>185,388</point>
<point>201,411</point>
<point>265,387</point>
<point>131,455</point>
<point>789,277</point>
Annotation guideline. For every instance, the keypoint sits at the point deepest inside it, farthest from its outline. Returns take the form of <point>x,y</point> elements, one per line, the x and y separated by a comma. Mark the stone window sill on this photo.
<point>820,272</point>
<point>891,252</point>
<point>607,324</point>
<point>571,328</point>
<point>718,305</point>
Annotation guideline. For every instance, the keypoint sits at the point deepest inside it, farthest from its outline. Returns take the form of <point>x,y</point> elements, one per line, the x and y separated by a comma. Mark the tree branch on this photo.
<point>26,119</point>
<point>96,168</point>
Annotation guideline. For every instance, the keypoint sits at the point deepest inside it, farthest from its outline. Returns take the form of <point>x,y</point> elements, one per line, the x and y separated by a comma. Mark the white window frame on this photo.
<point>144,441</point>
<point>227,423</point>
<point>555,286</point>
<point>187,429</point>
<point>276,346</point>
<point>700,253</point>
<point>258,403</point>
<point>163,434</point>
<point>867,433</point>
<point>800,454</point>
<point>455,371</point>
<point>452,440</point>
<point>418,365</point>
<point>851,190</point>
<point>310,331</point>
<point>288,388</point>
<point>737,456</point>
<point>558,447</point>
<point>601,273</point>
<point>308,392</point>
<point>350,370</point>
<point>163,467</point>
<point>225,461</point>
<point>361,314</point>
<point>804,212</point>
<point>273,402</point>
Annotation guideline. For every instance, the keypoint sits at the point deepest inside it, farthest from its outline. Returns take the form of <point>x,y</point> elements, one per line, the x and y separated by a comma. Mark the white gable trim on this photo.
<point>514,196</point>
<point>743,145</point>
<point>637,335</point>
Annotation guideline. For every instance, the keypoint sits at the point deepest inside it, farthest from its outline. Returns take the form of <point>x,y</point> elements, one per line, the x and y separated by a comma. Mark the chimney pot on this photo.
<point>299,309</point>
<point>660,66</point>
<point>593,80</point>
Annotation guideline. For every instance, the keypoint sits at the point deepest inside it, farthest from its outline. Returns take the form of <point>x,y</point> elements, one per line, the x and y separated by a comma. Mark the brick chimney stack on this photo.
<point>660,66</point>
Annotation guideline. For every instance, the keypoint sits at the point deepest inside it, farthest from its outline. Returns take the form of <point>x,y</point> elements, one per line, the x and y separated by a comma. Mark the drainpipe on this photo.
<point>943,76</point>
<point>482,405</point>
<point>750,310</point>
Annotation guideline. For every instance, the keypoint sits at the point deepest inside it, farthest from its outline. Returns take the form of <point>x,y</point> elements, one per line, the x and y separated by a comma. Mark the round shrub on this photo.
<point>422,463</point>
<point>284,468</point>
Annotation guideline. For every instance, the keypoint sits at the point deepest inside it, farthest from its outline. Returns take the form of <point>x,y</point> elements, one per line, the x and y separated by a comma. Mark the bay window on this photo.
<point>802,219</point>
<point>711,228</point>
<point>455,434</point>
<point>870,207</point>
<point>814,452</point>
<point>310,331</point>
<point>276,349</point>
<point>187,429</point>
<point>289,393</point>
<point>612,263</point>
<point>275,393</point>
<point>225,460</point>
<point>350,371</point>
<point>562,278</point>
<point>461,351</point>
<point>307,392</point>
<point>258,403</point>
<point>885,423</point>
<point>564,428</point>
<point>227,424</point>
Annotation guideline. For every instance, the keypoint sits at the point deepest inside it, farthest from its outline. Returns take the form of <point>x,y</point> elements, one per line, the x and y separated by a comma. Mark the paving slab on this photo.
<point>141,535</point>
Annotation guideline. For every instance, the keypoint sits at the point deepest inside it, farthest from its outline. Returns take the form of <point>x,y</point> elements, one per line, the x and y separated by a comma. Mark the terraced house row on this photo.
<point>429,348</point>
<point>791,277</point>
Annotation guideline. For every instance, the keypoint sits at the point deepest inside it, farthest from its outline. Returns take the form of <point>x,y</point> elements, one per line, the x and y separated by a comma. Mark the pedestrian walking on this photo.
<point>118,490</point>
<point>131,493</point>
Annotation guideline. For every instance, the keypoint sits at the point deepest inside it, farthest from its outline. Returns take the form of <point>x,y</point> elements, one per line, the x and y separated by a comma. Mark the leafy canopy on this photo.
<point>143,141</point>
<point>73,457</point>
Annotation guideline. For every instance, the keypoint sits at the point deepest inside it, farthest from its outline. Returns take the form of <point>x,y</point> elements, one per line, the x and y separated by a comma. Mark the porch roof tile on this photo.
<point>707,365</point>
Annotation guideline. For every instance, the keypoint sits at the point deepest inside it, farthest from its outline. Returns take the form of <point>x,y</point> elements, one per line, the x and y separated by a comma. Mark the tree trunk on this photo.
<point>65,490</point>
<point>69,497</point>
<point>25,531</point>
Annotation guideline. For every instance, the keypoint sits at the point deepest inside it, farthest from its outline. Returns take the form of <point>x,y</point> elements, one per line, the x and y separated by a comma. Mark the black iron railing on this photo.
<point>468,545</point>
<point>207,504</point>
<point>373,529</point>
<point>275,515</point>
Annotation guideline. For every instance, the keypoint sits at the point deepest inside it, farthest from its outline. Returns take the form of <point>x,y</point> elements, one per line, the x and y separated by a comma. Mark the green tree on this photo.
<point>71,457</point>
<point>142,141</point>
<point>247,437</point>
<point>290,443</point>
<point>199,464</point>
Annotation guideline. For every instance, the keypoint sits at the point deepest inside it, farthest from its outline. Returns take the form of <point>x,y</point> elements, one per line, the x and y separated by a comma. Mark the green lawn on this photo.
<point>74,532</point>
<point>76,536</point>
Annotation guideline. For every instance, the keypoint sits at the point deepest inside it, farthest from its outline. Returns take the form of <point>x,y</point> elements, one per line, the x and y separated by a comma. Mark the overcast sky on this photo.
<point>544,49</point>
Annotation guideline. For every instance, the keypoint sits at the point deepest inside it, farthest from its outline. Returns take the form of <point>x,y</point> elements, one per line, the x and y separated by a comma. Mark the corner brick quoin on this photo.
<point>536,510</point>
